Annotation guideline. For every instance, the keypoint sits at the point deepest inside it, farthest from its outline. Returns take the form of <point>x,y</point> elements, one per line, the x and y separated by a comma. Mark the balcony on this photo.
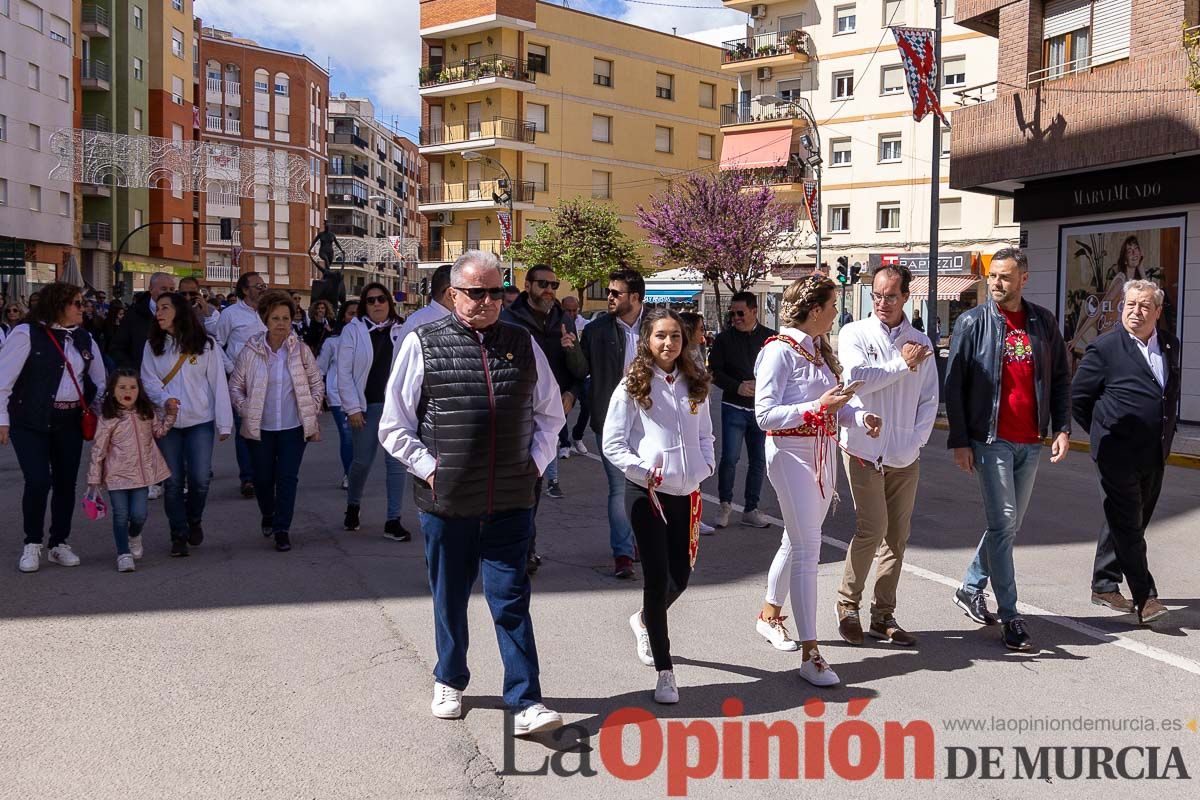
<point>335,198</point>
<point>213,236</point>
<point>233,127</point>
<point>233,93</point>
<point>95,75</point>
<point>341,229</point>
<point>223,204</point>
<point>501,72</point>
<point>212,89</point>
<point>95,236</point>
<point>226,274</point>
<point>452,250</point>
<point>765,50</point>
<point>765,114</point>
<point>785,179</point>
<point>212,123</point>
<point>95,122</point>
<point>1062,70</point>
<point>478,134</point>
<point>474,195</point>
<point>380,182</point>
<point>349,138</point>
<point>94,22</point>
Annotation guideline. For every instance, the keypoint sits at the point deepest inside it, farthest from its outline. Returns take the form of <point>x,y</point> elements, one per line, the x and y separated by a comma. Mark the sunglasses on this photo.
<point>543,284</point>
<point>739,313</point>
<point>616,293</point>
<point>77,303</point>
<point>376,299</point>
<point>477,293</point>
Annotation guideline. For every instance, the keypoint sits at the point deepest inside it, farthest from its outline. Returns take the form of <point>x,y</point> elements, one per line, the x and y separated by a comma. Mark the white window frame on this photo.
<point>888,142</point>
<point>943,218</point>
<point>545,116</point>
<point>179,51</point>
<point>834,213</point>
<point>139,69</point>
<point>138,17</point>
<point>834,152</point>
<point>892,19</point>
<point>884,72</point>
<point>880,208</point>
<point>602,72</point>
<point>664,92</point>
<point>837,80</point>
<point>1002,220</point>
<point>838,30</point>
<point>945,73</point>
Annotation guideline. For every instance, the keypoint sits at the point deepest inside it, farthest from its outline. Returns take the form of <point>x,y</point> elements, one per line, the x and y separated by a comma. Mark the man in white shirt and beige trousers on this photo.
<point>900,384</point>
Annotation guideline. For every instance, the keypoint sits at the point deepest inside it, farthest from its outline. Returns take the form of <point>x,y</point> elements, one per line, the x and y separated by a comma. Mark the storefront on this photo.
<point>136,274</point>
<point>960,287</point>
<point>679,289</point>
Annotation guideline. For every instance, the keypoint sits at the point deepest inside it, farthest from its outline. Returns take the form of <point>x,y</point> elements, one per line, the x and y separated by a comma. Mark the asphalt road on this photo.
<point>242,672</point>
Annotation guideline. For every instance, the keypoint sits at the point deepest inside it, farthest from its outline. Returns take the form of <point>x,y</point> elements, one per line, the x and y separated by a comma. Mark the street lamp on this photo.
<point>813,145</point>
<point>503,197</point>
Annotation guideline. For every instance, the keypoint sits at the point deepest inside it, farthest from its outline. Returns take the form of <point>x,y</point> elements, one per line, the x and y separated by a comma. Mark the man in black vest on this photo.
<point>473,411</point>
<point>1126,394</point>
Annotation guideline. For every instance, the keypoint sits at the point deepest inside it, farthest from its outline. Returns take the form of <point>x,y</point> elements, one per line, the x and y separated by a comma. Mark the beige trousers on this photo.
<point>883,504</point>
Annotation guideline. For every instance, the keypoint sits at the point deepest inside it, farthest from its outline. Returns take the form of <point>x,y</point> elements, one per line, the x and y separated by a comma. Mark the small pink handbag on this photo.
<point>94,506</point>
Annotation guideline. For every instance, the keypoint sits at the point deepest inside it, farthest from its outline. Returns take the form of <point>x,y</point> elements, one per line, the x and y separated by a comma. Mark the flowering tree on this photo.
<point>722,226</point>
<point>583,242</point>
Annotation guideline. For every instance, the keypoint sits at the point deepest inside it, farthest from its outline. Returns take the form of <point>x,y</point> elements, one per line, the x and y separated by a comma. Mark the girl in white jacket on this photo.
<point>659,433</point>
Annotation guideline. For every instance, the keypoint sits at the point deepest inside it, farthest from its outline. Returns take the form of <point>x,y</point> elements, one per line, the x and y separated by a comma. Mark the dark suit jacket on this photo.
<point>1115,396</point>
<point>129,341</point>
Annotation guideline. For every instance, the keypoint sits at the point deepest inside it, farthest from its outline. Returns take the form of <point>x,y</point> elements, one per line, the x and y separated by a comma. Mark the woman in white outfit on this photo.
<point>799,401</point>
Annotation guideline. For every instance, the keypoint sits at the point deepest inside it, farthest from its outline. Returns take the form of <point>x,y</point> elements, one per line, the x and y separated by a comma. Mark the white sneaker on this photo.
<point>754,519</point>
<point>666,691</point>
<point>534,719</point>
<point>706,529</point>
<point>774,632</point>
<point>156,491</point>
<point>724,511</point>
<point>31,558</point>
<point>818,672</point>
<point>63,555</point>
<point>125,563</point>
<point>135,547</point>
<point>643,639</point>
<point>345,481</point>
<point>447,701</point>
<point>564,453</point>
<point>579,447</point>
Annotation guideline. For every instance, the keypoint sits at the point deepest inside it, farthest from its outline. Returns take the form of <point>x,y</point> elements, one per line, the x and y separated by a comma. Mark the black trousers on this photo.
<point>49,462</point>
<point>1130,495</point>
<point>666,560</point>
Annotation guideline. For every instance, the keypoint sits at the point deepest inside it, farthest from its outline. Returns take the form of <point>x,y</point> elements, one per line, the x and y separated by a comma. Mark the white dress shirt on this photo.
<point>200,386</point>
<point>1154,357</point>
<point>280,411</point>
<point>431,312</point>
<point>15,352</point>
<point>234,328</point>
<point>399,427</point>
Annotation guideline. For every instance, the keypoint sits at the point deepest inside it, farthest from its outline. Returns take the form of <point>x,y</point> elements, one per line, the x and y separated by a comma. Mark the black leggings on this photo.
<point>666,561</point>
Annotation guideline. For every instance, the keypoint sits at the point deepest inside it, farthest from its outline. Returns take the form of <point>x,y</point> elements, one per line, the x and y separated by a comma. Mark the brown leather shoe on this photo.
<point>1114,600</point>
<point>1151,611</point>
<point>890,631</point>
<point>849,625</point>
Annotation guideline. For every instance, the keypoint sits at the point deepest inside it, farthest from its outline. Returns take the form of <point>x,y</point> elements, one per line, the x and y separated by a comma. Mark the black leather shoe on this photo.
<point>974,605</point>
<point>247,489</point>
<point>282,542</point>
<point>351,523</point>
<point>179,547</point>
<point>1015,636</point>
<point>268,526</point>
<point>392,529</point>
<point>195,534</point>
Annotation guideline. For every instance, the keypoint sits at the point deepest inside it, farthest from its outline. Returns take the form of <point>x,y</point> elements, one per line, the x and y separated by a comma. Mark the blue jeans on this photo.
<point>277,456</point>
<point>551,473</point>
<point>454,550</point>
<point>188,453</point>
<point>345,437</point>
<point>241,446</point>
<point>1006,474</point>
<point>620,532</point>
<point>128,510</point>
<point>366,443</point>
<point>738,425</point>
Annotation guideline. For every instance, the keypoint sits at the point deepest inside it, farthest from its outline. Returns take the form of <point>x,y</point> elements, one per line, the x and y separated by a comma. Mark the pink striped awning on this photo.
<point>756,149</point>
<point>950,287</point>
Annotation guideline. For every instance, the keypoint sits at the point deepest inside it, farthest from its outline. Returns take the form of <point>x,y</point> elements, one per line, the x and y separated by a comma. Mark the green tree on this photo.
<point>583,242</point>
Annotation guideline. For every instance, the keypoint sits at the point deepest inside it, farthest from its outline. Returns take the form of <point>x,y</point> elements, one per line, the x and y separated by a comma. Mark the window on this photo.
<point>889,148</point>
<point>947,8</point>
<point>537,114</point>
<point>176,42</point>
<point>601,128</point>
<point>281,229</point>
<point>282,120</point>
<point>845,20</point>
<point>839,219</point>
<point>950,214</point>
<point>3,128</point>
<point>137,17</point>
<point>664,85</point>
<point>281,269</point>
<point>281,84</point>
<point>839,152</point>
<point>790,89</point>
<point>792,22</point>
<point>3,191</point>
<point>954,71</point>
<point>3,64</point>
<point>537,57</point>
<point>176,231</point>
<point>30,15</point>
<point>35,137</point>
<point>64,204</point>
<point>708,95</point>
<point>260,80</point>
<point>261,119</point>
<point>536,172</point>
<point>843,85</point>
<point>705,149</point>
<point>1004,212</point>
<point>137,219</point>
<point>137,119</point>
<point>60,30</point>
<point>137,68</point>
<point>601,185</point>
<point>602,72</point>
<point>889,217</point>
<point>35,77</point>
<point>893,12</point>
<point>64,88</point>
<point>177,90</point>
<point>945,142</point>
<point>662,139</point>
<point>177,5</point>
<point>891,80</point>
<point>35,198</point>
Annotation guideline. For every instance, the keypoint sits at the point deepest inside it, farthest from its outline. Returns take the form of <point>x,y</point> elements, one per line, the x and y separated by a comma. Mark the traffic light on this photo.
<point>508,278</point>
<point>226,229</point>
<point>424,287</point>
<point>843,270</point>
<point>855,271</point>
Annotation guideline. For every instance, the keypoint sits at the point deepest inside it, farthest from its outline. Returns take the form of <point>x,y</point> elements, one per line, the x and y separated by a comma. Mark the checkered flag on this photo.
<point>920,70</point>
<point>505,226</point>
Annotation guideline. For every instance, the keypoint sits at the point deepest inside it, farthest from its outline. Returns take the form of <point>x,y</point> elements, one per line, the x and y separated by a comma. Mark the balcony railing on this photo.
<point>94,17</point>
<point>777,176</point>
<point>349,138</point>
<point>233,126</point>
<point>754,111</point>
<point>221,273</point>
<point>335,198</point>
<point>232,89</point>
<point>764,45</point>
<point>380,182</point>
<point>973,95</point>
<point>212,123</point>
<point>452,250</point>
<point>1073,67</point>
<point>96,231</point>
<point>213,236</point>
<point>96,122</point>
<point>474,69</point>
<point>495,128</point>
<point>212,85</point>
<point>95,70</point>
<point>473,191</point>
<point>224,199</point>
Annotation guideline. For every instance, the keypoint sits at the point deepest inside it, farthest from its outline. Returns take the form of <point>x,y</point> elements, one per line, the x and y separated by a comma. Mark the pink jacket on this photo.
<point>124,455</point>
<point>248,384</point>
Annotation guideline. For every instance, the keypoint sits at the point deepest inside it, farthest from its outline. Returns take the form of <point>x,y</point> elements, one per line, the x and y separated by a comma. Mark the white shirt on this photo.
<point>327,363</point>
<point>234,328</point>
<point>1153,355</point>
<point>399,427</point>
<point>200,386</point>
<point>433,311</point>
<point>631,337</point>
<point>786,385</point>
<point>280,411</point>
<point>16,351</point>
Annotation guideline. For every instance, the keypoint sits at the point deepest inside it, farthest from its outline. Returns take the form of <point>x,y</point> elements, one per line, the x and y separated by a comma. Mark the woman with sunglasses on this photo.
<point>14,315</point>
<point>364,361</point>
<point>49,357</point>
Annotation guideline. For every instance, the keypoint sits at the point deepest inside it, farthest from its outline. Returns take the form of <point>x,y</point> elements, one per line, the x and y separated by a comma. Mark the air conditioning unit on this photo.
<point>758,11</point>
<point>764,73</point>
<point>442,218</point>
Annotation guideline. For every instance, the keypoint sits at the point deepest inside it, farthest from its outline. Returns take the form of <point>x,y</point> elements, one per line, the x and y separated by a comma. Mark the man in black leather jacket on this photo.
<point>1008,384</point>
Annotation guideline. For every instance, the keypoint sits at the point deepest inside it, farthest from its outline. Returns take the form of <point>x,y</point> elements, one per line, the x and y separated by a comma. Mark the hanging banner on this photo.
<point>505,226</point>
<point>813,203</point>
<point>920,70</point>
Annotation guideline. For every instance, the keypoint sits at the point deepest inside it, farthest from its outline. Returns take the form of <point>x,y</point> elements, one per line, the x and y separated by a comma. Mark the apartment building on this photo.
<point>272,105</point>
<point>836,61</point>
<point>1095,137</point>
<point>557,103</point>
<point>372,195</point>
<point>36,86</point>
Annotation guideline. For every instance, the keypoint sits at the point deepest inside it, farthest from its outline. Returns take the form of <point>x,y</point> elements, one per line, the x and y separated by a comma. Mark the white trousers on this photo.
<point>792,469</point>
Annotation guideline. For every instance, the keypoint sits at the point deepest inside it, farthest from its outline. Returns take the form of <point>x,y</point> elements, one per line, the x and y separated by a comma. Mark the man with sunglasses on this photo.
<point>190,289</point>
<point>129,342</point>
<point>473,411</point>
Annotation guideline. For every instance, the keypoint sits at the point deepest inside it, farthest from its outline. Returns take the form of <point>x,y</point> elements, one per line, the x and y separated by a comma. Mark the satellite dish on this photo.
<point>341,95</point>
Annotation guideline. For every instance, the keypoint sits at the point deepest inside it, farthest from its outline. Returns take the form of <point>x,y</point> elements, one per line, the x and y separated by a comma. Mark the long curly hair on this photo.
<point>190,335</point>
<point>52,302</point>
<point>641,370</point>
<point>804,296</point>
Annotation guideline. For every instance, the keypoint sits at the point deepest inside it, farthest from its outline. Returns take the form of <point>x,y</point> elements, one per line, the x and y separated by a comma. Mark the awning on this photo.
<point>756,149</point>
<point>669,295</point>
<point>950,287</point>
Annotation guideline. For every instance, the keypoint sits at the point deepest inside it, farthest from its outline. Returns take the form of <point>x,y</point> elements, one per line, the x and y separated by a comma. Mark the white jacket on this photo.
<point>327,363</point>
<point>353,362</point>
<point>233,329</point>
<point>669,435</point>
<point>199,386</point>
<point>907,401</point>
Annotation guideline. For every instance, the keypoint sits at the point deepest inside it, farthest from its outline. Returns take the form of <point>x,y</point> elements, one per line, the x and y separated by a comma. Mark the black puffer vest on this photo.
<point>476,417</point>
<point>37,385</point>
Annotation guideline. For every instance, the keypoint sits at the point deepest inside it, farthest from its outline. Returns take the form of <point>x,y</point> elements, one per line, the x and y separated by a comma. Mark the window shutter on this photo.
<point>1110,31</point>
<point>600,128</point>
<point>1064,16</point>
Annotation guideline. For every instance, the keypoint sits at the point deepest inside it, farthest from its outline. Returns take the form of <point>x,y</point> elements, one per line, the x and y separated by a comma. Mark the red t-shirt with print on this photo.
<point>1018,415</point>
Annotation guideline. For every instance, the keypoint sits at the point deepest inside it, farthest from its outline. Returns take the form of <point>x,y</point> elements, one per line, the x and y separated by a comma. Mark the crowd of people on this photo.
<point>469,399</point>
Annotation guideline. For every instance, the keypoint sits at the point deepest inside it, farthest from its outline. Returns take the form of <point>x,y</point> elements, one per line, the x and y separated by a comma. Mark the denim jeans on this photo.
<point>738,425</point>
<point>366,443</point>
<point>551,473</point>
<point>1006,474</point>
<point>127,507</point>
<point>49,460</point>
<point>277,456</point>
<point>620,532</point>
<point>455,549</point>
<point>241,446</point>
<point>345,438</point>
<point>188,453</point>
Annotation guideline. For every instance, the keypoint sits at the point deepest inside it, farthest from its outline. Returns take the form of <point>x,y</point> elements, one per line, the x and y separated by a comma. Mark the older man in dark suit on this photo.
<point>1126,394</point>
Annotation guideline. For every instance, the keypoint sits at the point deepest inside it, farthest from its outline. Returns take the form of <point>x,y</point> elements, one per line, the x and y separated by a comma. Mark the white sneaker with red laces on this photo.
<point>817,671</point>
<point>774,631</point>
